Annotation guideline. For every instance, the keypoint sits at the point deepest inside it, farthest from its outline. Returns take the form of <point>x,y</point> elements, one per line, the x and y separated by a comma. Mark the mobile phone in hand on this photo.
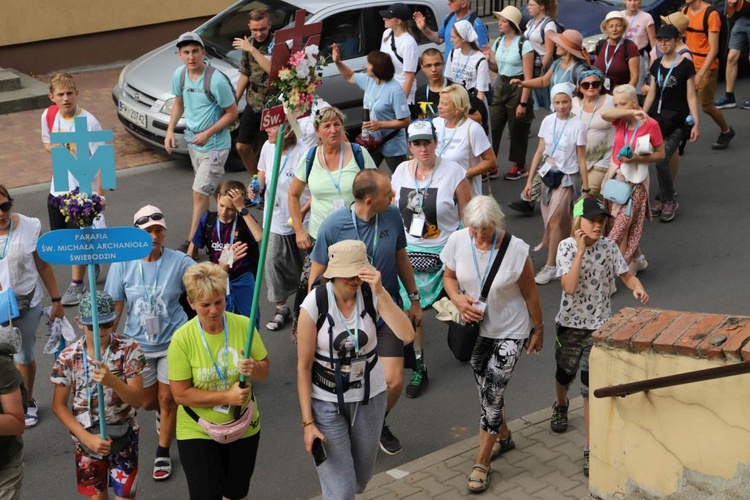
<point>319,452</point>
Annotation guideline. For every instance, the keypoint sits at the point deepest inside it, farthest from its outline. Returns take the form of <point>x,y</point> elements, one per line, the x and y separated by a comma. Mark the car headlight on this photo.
<point>167,106</point>
<point>589,43</point>
<point>121,79</point>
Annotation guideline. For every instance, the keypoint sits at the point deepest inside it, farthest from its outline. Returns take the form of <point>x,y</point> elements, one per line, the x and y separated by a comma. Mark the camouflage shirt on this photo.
<point>257,87</point>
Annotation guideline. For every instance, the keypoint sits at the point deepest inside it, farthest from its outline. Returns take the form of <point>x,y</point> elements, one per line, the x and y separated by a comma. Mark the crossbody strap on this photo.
<point>496,265</point>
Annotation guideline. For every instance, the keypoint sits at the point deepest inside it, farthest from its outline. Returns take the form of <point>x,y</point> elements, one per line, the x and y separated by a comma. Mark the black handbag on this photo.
<point>461,338</point>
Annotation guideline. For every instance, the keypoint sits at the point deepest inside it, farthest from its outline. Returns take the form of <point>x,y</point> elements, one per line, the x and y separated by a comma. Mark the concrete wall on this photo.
<point>36,20</point>
<point>694,436</point>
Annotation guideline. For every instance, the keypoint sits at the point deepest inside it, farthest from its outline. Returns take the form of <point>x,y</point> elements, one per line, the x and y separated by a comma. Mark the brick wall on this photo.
<point>709,336</point>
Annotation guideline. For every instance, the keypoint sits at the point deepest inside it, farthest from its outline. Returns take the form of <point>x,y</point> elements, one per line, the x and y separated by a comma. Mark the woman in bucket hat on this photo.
<point>616,56</point>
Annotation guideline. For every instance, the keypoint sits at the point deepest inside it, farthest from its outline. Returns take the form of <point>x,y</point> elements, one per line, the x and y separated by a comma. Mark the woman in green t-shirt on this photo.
<point>206,360</point>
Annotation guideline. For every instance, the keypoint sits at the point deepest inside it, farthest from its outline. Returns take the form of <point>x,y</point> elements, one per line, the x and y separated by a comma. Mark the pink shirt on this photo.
<point>638,25</point>
<point>649,127</point>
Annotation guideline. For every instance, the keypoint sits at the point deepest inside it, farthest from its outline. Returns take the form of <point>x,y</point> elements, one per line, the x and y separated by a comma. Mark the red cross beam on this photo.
<point>297,34</point>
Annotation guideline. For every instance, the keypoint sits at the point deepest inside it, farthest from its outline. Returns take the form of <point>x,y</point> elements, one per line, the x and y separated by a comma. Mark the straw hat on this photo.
<point>678,20</point>
<point>615,14</point>
<point>512,15</point>
<point>571,41</point>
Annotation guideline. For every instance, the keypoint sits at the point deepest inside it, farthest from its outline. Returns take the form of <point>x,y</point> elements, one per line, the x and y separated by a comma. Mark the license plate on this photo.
<point>131,115</point>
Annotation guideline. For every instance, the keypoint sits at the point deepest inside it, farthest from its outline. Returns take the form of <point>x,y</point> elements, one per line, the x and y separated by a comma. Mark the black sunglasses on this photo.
<point>593,85</point>
<point>142,220</point>
<point>5,207</point>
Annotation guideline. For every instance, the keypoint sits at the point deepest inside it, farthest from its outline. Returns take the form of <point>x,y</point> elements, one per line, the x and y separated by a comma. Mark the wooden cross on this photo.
<point>297,34</point>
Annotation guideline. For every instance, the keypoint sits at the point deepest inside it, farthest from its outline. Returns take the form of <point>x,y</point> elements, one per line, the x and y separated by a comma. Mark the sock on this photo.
<point>162,452</point>
<point>730,95</point>
<point>76,282</point>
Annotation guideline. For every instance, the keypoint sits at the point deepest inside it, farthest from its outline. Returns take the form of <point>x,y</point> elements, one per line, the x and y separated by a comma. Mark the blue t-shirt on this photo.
<point>386,102</point>
<point>391,237</point>
<point>125,282</point>
<point>200,113</point>
<point>445,32</point>
<point>509,59</point>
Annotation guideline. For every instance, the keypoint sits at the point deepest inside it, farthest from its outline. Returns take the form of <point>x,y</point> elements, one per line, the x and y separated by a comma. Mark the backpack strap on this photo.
<point>358,156</point>
<point>545,22</point>
<point>356,152</point>
<point>321,301</point>
<point>393,47</point>
<point>521,39</point>
<point>309,161</point>
<point>369,303</point>
<point>447,20</point>
<point>52,112</point>
<point>208,227</point>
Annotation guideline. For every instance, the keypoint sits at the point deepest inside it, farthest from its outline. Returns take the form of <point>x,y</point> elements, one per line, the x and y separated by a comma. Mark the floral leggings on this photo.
<point>493,362</point>
<point>618,225</point>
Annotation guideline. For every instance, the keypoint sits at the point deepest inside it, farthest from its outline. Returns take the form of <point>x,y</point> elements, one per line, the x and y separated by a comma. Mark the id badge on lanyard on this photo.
<point>357,369</point>
<point>416,228</point>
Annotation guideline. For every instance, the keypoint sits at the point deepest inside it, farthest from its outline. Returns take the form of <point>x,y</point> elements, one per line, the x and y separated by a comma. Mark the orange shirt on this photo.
<point>697,40</point>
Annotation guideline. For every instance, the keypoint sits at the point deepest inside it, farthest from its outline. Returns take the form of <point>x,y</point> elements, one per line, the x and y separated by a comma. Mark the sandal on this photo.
<point>162,468</point>
<point>501,446</point>
<point>480,482</point>
<point>279,319</point>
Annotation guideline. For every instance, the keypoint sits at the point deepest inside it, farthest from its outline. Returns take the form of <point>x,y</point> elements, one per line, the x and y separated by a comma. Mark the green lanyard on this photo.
<point>6,247</point>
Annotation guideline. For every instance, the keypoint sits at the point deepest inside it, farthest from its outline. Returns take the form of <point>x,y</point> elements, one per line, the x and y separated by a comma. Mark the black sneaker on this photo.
<point>388,442</point>
<point>523,206</point>
<point>724,139</point>
<point>417,384</point>
<point>586,463</point>
<point>559,422</point>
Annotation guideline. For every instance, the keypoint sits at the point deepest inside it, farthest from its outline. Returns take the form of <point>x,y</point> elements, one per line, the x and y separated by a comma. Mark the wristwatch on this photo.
<point>414,296</point>
<point>523,104</point>
<point>244,211</point>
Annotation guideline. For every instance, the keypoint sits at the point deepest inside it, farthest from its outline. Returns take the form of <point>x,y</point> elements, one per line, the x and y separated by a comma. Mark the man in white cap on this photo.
<point>207,100</point>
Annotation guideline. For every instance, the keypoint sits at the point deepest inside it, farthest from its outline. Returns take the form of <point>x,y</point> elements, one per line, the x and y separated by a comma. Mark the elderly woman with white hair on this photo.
<point>560,159</point>
<point>631,124</point>
<point>510,317</point>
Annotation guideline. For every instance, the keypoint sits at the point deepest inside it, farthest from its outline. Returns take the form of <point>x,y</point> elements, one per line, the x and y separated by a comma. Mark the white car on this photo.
<point>143,92</point>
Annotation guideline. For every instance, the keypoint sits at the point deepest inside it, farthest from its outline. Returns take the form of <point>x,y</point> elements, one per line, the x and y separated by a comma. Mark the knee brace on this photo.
<point>564,378</point>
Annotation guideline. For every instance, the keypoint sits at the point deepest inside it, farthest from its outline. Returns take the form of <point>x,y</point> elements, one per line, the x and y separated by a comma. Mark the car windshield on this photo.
<point>219,33</point>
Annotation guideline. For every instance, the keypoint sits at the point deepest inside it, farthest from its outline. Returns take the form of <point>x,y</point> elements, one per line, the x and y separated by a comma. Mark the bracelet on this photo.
<point>309,422</point>
<point>414,296</point>
<point>585,190</point>
<point>523,104</point>
<point>56,299</point>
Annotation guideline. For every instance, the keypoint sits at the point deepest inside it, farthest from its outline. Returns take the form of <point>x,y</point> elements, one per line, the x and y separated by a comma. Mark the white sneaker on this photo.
<point>638,264</point>
<point>73,295</point>
<point>31,416</point>
<point>545,275</point>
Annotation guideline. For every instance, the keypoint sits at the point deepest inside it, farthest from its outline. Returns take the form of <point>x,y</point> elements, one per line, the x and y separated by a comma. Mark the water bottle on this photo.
<point>690,120</point>
<point>365,118</point>
<point>255,186</point>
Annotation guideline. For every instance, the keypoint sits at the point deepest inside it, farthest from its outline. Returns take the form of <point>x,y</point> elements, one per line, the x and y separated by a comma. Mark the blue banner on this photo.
<point>94,246</point>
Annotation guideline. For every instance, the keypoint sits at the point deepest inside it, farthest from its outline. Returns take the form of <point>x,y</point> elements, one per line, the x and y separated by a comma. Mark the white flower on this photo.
<point>302,68</point>
<point>311,50</point>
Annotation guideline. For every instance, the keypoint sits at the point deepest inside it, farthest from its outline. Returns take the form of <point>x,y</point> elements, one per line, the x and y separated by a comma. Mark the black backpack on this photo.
<point>721,56</point>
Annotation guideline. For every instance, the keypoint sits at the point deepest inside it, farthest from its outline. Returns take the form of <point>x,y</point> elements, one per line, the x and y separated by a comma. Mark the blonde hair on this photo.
<point>204,281</point>
<point>459,97</point>
<point>61,80</point>
<point>326,115</point>
<point>627,90</point>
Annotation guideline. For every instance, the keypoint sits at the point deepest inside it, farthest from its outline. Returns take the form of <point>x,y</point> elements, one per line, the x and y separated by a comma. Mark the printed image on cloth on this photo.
<point>418,203</point>
<point>123,358</point>
<point>118,470</point>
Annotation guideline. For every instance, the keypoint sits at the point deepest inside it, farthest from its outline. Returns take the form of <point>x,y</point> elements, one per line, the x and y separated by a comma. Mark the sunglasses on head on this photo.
<point>5,207</point>
<point>142,220</point>
<point>591,85</point>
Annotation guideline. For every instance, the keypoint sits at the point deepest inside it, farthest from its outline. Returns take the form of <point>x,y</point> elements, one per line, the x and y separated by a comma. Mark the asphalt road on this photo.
<point>698,262</point>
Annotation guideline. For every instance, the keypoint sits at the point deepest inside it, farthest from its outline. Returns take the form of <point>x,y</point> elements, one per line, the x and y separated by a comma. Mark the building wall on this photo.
<point>35,20</point>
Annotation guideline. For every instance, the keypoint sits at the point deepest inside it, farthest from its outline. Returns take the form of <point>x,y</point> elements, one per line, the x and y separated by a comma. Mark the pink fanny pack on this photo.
<point>227,432</point>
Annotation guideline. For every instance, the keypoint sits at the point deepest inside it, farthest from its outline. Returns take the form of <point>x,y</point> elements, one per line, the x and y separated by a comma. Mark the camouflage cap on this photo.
<point>104,305</point>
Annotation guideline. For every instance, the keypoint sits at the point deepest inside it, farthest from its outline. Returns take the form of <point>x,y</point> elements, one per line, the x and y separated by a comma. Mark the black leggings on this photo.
<point>214,470</point>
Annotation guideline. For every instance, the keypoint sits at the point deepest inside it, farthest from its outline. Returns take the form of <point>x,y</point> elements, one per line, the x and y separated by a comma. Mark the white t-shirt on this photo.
<point>408,50</point>
<point>61,124</point>
<point>507,315</point>
<point>533,33</point>
<point>463,145</point>
<point>438,205</point>
<point>601,133</point>
<point>17,265</point>
<point>567,134</point>
<point>342,341</point>
<point>470,71</point>
<point>637,29</point>
<point>591,306</point>
<point>287,167</point>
